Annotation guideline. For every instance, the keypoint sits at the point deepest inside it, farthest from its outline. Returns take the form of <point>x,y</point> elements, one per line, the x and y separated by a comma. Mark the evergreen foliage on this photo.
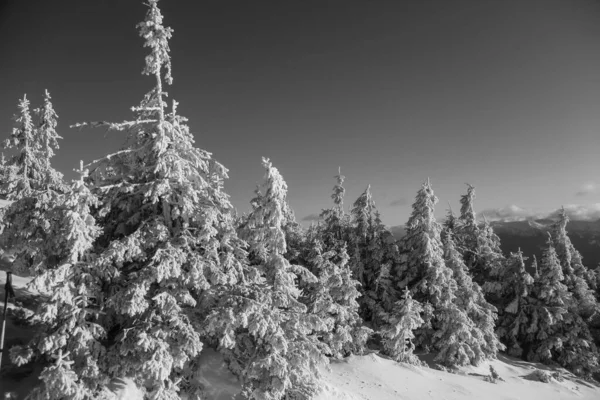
<point>271,341</point>
<point>28,170</point>
<point>34,187</point>
<point>398,333</point>
<point>143,261</point>
<point>470,298</point>
<point>374,254</point>
<point>479,246</point>
<point>333,298</point>
<point>555,332</point>
<point>71,342</point>
<point>511,290</point>
<point>168,239</point>
<point>447,328</point>
<point>578,278</point>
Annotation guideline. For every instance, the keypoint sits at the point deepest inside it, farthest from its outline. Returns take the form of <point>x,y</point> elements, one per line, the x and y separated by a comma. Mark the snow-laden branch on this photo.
<point>117,126</point>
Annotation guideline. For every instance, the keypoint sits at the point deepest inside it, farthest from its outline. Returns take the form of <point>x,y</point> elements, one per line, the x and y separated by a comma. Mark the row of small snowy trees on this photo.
<point>144,262</point>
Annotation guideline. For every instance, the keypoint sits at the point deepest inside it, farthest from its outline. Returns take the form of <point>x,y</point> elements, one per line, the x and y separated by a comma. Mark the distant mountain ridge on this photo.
<point>530,236</point>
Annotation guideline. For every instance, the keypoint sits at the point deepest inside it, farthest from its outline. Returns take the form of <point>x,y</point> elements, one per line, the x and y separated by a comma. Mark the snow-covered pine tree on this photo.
<point>490,259</point>
<point>466,230</point>
<point>34,188</point>
<point>510,290</point>
<point>168,240</point>
<point>380,293</point>
<point>450,224</point>
<point>333,299</point>
<point>479,246</point>
<point>22,167</point>
<point>360,235</point>
<point>446,328</point>
<point>578,278</point>
<point>555,332</point>
<point>271,342</point>
<point>294,237</point>
<point>398,333</point>
<point>373,255</point>
<point>70,343</point>
<point>48,138</point>
<point>470,298</point>
<point>336,222</point>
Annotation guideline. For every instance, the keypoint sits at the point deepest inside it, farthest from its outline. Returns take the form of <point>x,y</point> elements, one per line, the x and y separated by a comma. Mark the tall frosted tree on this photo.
<point>557,333</point>
<point>479,245</point>
<point>23,167</point>
<point>578,278</point>
<point>447,328</point>
<point>168,239</point>
<point>510,290</point>
<point>398,333</point>
<point>333,298</point>
<point>470,298</point>
<point>362,222</point>
<point>34,187</point>
<point>373,254</point>
<point>466,229</point>
<point>48,142</point>
<point>336,221</point>
<point>271,342</point>
<point>70,345</point>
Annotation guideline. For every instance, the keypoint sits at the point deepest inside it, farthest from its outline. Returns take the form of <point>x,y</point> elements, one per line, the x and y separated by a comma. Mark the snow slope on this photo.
<point>369,377</point>
<point>374,378</point>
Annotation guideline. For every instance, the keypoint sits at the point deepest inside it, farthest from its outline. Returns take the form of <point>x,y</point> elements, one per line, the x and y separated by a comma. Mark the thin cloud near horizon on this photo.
<point>399,202</point>
<point>512,212</point>
<point>587,189</point>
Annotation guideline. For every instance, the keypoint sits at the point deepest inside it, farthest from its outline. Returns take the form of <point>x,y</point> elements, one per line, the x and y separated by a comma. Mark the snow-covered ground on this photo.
<point>369,377</point>
<point>375,378</point>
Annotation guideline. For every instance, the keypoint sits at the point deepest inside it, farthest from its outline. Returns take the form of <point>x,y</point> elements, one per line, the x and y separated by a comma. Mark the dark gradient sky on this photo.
<point>504,95</point>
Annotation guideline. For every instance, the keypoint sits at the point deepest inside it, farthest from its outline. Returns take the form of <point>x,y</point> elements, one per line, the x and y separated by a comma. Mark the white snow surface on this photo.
<point>375,378</point>
<point>372,377</point>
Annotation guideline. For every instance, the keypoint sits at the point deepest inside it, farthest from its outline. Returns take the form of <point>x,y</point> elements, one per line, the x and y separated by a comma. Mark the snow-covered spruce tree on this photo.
<point>470,298</point>
<point>380,293</point>
<point>333,299</point>
<point>557,333</point>
<point>269,339</point>
<point>577,277</point>
<point>70,342</point>
<point>373,254</point>
<point>334,296</point>
<point>510,291</point>
<point>34,188</point>
<point>360,235</point>
<point>479,246</point>
<point>48,139</point>
<point>450,224</point>
<point>490,259</point>
<point>447,328</point>
<point>398,333</point>
<point>168,240</point>
<point>28,168</point>
<point>336,222</point>
<point>294,237</point>
<point>466,229</point>
<point>23,165</point>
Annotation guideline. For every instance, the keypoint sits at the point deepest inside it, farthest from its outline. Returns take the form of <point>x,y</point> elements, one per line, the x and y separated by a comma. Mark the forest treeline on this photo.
<point>144,262</point>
